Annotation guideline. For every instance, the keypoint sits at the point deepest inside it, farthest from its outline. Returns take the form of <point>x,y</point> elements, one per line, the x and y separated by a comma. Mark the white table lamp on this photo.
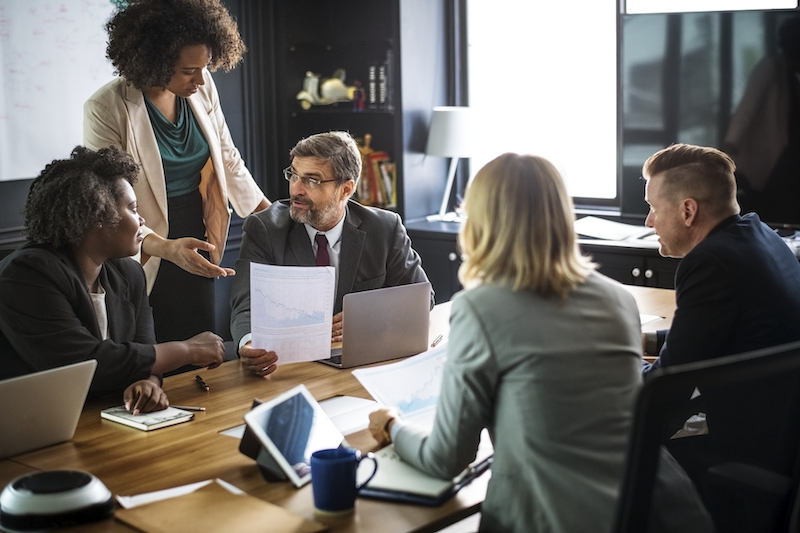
<point>450,135</point>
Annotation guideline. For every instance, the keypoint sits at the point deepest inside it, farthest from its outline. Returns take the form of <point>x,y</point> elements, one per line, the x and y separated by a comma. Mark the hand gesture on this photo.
<point>184,253</point>
<point>144,396</point>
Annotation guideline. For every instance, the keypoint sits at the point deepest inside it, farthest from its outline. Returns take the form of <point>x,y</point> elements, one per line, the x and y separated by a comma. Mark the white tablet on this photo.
<point>291,427</point>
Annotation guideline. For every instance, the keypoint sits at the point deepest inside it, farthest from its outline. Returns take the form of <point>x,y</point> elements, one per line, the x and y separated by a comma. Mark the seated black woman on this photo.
<point>72,292</point>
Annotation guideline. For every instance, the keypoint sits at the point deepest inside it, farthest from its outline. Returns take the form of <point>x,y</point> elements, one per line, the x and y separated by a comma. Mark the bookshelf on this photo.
<point>402,39</point>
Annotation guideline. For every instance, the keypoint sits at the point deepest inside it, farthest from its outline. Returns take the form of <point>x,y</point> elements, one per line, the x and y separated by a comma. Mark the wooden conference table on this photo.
<point>131,462</point>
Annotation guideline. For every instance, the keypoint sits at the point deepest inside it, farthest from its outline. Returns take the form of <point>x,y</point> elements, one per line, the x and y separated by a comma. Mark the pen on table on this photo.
<point>202,383</point>
<point>188,407</point>
<point>436,341</point>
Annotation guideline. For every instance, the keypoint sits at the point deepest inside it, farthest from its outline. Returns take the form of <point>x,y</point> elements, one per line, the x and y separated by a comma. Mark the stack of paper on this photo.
<point>600,228</point>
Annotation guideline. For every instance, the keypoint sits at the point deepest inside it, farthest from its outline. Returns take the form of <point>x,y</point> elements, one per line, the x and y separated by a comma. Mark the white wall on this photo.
<point>52,58</point>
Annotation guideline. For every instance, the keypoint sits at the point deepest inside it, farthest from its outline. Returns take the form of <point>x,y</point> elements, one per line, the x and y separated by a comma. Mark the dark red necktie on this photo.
<point>322,250</point>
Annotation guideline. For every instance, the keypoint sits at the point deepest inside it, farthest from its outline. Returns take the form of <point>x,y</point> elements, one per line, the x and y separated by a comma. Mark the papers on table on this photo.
<point>291,311</point>
<point>600,228</point>
<point>348,413</point>
<point>211,506</point>
<point>411,385</point>
<point>129,502</point>
<point>647,319</point>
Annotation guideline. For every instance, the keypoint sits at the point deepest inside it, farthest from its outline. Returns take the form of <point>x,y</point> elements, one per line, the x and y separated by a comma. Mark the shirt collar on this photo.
<point>333,235</point>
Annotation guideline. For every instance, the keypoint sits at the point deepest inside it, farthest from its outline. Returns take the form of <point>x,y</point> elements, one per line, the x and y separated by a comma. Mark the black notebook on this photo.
<point>397,480</point>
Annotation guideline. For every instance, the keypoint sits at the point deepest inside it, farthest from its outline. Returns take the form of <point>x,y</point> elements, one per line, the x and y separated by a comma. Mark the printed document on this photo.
<point>600,228</point>
<point>291,311</point>
<point>411,385</point>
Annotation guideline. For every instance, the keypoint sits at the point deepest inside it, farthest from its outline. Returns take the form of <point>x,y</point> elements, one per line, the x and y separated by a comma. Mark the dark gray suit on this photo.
<point>375,252</point>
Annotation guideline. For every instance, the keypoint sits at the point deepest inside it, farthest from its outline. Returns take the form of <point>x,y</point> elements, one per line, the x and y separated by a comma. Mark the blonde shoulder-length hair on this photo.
<point>519,228</point>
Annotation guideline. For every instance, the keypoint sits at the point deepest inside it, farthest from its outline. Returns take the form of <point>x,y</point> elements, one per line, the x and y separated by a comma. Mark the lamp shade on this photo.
<point>450,134</point>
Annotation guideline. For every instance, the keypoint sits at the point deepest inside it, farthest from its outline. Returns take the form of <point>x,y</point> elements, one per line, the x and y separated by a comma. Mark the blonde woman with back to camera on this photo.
<point>546,354</point>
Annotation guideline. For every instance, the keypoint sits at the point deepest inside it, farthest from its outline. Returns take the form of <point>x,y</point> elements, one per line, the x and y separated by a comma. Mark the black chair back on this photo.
<point>666,392</point>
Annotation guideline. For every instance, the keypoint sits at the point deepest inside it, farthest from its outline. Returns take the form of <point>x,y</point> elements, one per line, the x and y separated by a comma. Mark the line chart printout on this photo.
<point>291,311</point>
<point>411,385</point>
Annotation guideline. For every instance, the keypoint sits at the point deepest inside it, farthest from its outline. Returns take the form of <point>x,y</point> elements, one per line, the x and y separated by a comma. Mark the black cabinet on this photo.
<point>436,243</point>
<point>632,265</point>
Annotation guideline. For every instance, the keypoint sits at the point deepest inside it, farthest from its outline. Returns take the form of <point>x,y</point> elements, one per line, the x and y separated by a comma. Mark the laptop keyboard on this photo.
<point>336,359</point>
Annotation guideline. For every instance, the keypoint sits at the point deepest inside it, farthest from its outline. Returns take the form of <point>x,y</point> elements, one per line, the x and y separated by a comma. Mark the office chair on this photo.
<point>739,492</point>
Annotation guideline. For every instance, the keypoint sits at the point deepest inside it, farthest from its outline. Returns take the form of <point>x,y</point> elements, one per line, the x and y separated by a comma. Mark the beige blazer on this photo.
<point>116,115</point>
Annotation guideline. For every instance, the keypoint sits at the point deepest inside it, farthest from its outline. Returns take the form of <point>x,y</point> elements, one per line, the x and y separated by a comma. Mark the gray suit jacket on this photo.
<point>554,382</point>
<point>376,252</point>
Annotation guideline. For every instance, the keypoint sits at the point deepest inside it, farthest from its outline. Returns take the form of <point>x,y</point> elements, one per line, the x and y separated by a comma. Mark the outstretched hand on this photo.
<point>184,252</point>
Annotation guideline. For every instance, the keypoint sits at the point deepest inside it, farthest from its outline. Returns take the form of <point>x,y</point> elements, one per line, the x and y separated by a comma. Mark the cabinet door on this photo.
<point>440,260</point>
<point>625,268</point>
<point>660,272</point>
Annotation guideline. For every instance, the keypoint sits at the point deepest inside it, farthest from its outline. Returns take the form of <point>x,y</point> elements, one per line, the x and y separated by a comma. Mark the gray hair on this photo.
<point>337,147</point>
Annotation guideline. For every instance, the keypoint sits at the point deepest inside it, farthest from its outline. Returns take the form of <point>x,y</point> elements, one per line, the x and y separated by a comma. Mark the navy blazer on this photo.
<point>47,318</point>
<point>738,290</point>
<point>375,252</point>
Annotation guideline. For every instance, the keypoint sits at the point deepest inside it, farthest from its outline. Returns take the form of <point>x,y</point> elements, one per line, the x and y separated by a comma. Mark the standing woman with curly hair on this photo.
<point>72,292</point>
<point>164,110</point>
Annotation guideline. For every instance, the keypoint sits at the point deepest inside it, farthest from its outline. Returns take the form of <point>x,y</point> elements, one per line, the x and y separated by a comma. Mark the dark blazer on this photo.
<point>738,290</point>
<point>47,318</point>
<point>375,252</point>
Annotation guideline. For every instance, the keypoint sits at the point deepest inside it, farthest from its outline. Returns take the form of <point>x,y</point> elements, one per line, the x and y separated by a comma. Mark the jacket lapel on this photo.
<point>299,251</point>
<point>142,144</point>
<point>349,255</point>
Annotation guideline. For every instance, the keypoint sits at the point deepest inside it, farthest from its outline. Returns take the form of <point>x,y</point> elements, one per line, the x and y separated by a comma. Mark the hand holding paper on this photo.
<point>291,312</point>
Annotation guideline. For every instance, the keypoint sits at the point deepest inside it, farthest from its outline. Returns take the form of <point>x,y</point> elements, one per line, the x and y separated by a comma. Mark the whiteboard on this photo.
<point>52,59</point>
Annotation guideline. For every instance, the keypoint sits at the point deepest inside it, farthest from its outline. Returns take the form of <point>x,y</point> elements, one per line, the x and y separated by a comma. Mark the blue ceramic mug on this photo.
<point>333,479</point>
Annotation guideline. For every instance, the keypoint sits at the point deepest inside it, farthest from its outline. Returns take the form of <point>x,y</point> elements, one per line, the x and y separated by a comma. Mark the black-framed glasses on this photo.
<point>311,183</point>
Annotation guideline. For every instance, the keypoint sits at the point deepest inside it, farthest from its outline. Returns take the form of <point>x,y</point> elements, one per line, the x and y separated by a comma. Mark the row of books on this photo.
<point>378,184</point>
<point>379,84</point>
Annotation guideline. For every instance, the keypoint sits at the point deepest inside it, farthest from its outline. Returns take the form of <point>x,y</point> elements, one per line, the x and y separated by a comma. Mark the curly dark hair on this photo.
<point>72,195</point>
<point>145,39</point>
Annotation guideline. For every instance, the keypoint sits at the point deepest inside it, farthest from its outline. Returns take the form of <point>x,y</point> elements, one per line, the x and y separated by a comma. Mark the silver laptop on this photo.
<point>383,324</point>
<point>43,408</point>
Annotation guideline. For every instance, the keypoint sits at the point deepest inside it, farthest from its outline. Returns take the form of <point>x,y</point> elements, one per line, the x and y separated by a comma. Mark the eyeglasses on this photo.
<point>311,183</point>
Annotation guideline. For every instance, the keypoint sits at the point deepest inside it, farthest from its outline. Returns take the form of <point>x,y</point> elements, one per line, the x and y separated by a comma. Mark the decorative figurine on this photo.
<point>330,91</point>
